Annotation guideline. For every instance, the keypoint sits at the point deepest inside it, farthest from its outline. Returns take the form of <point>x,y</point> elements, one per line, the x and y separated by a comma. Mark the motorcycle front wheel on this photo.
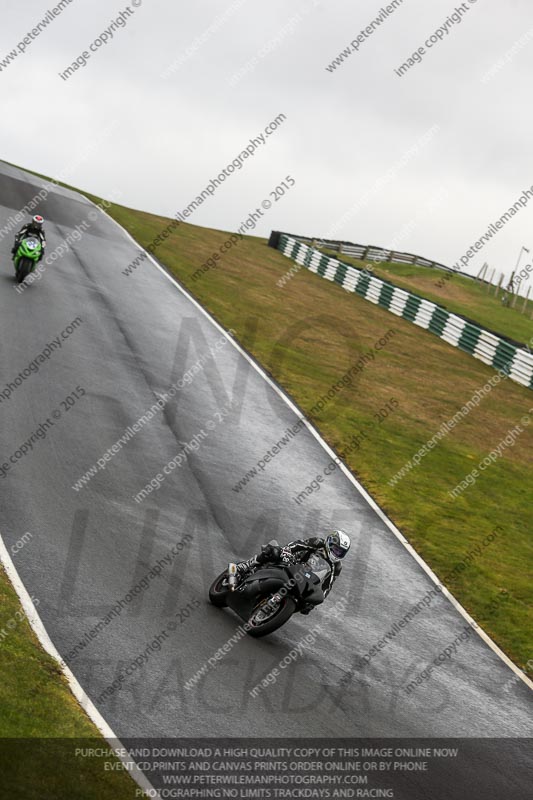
<point>24,267</point>
<point>267,618</point>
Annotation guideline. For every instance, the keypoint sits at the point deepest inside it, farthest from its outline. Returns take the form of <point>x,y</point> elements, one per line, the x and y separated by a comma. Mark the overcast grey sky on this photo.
<point>423,162</point>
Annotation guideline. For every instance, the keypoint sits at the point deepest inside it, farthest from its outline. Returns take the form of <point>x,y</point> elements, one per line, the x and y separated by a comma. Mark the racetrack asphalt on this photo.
<point>135,337</point>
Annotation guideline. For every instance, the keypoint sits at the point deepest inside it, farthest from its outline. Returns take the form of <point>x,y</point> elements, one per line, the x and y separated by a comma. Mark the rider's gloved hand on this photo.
<point>244,567</point>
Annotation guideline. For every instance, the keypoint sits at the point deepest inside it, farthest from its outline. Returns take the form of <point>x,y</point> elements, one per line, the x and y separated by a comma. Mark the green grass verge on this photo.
<point>459,295</point>
<point>40,721</point>
<point>307,335</point>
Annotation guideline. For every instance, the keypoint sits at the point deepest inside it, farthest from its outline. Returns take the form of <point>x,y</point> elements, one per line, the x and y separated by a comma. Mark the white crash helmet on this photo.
<point>337,545</point>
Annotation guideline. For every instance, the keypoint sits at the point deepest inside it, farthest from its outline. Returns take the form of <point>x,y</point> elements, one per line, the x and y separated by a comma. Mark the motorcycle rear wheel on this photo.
<point>219,589</point>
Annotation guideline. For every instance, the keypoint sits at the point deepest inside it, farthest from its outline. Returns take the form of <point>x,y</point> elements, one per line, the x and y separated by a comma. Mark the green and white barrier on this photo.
<point>515,361</point>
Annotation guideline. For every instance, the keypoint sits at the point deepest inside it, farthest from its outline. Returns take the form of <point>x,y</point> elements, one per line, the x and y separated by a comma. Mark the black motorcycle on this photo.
<point>268,597</point>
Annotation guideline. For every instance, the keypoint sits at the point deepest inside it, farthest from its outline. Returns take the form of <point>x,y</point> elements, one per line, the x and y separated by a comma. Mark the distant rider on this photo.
<point>33,228</point>
<point>330,549</point>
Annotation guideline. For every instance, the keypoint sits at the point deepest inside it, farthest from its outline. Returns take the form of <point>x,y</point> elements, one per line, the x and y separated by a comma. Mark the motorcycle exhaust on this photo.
<point>232,576</point>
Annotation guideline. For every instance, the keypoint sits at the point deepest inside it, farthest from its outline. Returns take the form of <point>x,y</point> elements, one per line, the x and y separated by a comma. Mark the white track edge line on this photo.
<point>370,500</point>
<point>81,696</point>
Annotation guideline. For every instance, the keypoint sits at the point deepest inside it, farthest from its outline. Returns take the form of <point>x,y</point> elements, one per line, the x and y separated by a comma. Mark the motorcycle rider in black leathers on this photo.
<point>331,549</point>
<point>33,228</point>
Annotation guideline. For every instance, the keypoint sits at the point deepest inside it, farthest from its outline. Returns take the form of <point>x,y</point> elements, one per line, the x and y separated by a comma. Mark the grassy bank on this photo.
<point>459,295</point>
<point>41,723</point>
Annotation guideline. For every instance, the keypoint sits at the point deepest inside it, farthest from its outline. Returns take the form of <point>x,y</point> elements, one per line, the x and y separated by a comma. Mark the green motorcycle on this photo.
<point>28,254</point>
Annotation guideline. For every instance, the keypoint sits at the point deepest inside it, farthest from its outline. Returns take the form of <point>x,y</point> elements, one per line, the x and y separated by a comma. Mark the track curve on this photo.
<point>137,336</point>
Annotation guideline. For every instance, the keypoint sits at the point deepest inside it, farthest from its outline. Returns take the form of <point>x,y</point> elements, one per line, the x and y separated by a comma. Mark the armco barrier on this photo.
<point>493,350</point>
<point>369,252</point>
